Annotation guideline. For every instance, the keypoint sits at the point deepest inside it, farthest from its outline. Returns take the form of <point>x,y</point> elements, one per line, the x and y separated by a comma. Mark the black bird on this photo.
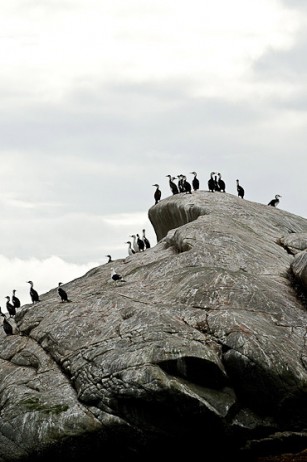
<point>7,327</point>
<point>140,243</point>
<point>33,294</point>
<point>221,183</point>
<point>240,190</point>
<point>146,241</point>
<point>116,277</point>
<point>211,183</point>
<point>135,244</point>
<point>216,183</point>
<point>110,258</point>
<point>62,293</point>
<point>195,181</point>
<point>131,251</point>
<point>180,183</point>
<point>173,186</point>
<point>10,307</point>
<point>157,194</point>
<point>275,202</point>
<point>15,300</point>
<point>187,188</point>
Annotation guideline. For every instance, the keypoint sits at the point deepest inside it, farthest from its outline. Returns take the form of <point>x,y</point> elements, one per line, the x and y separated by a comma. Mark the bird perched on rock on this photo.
<point>240,190</point>
<point>146,241</point>
<point>15,300</point>
<point>195,181</point>
<point>172,185</point>
<point>7,327</point>
<point>275,202</point>
<point>157,194</point>
<point>216,184</point>
<point>116,277</point>
<point>135,245</point>
<point>180,183</point>
<point>211,183</point>
<point>187,188</point>
<point>131,251</point>
<point>10,307</point>
<point>140,243</point>
<point>33,293</point>
<point>62,293</point>
<point>221,183</point>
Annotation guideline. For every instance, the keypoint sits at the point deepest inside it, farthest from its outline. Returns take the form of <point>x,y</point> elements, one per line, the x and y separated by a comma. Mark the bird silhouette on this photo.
<point>240,190</point>
<point>116,277</point>
<point>131,251</point>
<point>33,293</point>
<point>221,183</point>
<point>172,185</point>
<point>10,307</point>
<point>140,243</point>
<point>62,293</point>
<point>7,327</point>
<point>157,193</point>
<point>195,181</point>
<point>211,183</point>
<point>15,300</point>
<point>146,241</point>
<point>275,202</point>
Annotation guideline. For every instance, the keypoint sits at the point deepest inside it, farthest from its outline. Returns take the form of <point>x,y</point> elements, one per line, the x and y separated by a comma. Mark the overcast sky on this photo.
<point>102,99</point>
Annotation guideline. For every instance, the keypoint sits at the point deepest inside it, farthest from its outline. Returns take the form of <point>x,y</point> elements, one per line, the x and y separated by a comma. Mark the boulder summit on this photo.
<point>200,352</point>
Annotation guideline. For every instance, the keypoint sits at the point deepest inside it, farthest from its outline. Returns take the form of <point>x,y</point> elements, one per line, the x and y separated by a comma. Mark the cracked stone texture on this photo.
<point>203,348</point>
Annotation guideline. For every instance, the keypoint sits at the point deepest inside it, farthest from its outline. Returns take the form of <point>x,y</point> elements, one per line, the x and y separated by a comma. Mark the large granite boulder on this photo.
<point>201,350</point>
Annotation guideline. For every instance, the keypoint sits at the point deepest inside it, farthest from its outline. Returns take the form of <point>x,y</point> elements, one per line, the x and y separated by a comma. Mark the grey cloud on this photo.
<point>295,4</point>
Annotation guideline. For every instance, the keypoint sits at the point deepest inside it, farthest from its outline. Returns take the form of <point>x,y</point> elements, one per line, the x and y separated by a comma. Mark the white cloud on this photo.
<point>207,43</point>
<point>75,237</point>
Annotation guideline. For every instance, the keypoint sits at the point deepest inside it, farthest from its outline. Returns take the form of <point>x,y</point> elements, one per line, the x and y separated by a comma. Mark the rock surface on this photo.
<point>203,348</point>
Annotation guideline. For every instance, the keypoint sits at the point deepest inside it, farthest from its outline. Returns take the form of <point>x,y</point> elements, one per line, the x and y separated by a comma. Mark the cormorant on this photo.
<point>216,183</point>
<point>116,277</point>
<point>181,183</point>
<point>7,327</point>
<point>195,182</point>
<point>134,243</point>
<point>275,202</point>
<point>15,300</point>
<point>157,194</point>
<point>240,190</point>
<point>110,258</point>
<point>211,183</point>
<point>172,185</point>
<point>10,307</point>
<point>33,294</point>
<point>221,183</point>
<point>146,241</point>
<point>62,293</point>
<point>140,243</point>
<point>187,188</point>
<point>131,251</point>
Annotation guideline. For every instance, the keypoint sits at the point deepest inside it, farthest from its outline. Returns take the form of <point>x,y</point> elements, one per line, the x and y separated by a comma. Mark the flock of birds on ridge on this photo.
<point>138,243</point>
<point>215,183</point>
